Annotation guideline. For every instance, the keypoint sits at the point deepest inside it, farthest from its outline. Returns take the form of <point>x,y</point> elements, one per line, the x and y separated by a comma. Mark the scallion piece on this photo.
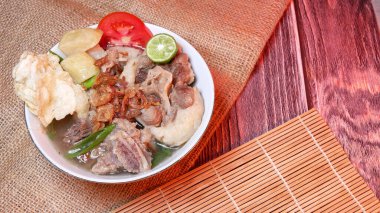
<point>89,82</point>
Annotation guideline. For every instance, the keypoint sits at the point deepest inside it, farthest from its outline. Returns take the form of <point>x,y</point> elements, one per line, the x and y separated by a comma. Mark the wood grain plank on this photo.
<point>340,47</point>
<point>376,8</point>
<point>273,95</point>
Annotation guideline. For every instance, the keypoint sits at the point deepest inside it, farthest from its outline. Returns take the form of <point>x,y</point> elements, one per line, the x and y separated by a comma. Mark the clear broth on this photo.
<point>57,129</point>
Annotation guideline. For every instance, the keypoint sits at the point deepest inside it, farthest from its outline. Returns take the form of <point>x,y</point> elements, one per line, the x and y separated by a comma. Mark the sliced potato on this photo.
<point>80,66</point>
<point>80,40</point>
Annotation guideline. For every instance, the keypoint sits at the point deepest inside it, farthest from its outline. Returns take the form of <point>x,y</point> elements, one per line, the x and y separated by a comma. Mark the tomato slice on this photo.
<point>121,28</point>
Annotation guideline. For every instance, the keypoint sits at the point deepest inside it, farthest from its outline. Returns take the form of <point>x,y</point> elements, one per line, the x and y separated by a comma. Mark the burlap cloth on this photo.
<point>229,35</point>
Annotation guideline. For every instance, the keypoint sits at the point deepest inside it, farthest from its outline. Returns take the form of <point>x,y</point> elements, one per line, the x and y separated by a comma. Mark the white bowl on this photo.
<point>203,82</point>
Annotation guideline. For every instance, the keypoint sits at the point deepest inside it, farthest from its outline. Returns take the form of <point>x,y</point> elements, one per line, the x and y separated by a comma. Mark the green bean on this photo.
<point>90,142</point>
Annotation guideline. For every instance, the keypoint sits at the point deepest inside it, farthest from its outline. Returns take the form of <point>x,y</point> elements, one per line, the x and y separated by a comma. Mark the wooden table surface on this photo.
<point>323,54</point>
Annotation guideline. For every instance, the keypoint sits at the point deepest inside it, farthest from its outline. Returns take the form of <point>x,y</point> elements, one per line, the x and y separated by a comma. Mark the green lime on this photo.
<point>161,48</point>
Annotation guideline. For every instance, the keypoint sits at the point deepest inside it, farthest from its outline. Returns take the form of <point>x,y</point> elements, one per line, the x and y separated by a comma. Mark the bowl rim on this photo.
<point>128,180</point>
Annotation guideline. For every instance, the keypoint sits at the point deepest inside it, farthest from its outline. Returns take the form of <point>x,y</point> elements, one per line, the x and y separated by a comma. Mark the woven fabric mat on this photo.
<point>296,167</point>
<point>230,35</point>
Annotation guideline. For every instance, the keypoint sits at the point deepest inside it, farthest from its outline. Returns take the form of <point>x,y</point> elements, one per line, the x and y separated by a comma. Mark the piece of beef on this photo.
<point>152,116</point>
<point>181,69</point>
<point>126,149</point>
<point>158,83</point>
<point>182,95</point>
<point>78,131</point>
<point>132,155</point>
<point>128,128</point>
<point>107,164</point>
<point>144,64</point>
<point>141,76</point>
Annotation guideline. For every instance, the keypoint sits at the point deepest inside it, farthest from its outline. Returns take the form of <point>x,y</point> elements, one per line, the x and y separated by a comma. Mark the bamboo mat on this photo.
<point>299,166</point>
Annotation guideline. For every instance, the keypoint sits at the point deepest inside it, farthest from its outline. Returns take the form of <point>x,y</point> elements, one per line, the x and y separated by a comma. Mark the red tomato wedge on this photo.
<point>121,28</point>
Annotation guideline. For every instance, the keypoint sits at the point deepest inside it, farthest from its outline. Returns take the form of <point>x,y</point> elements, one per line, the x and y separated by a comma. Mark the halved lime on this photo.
<point>161,48</point>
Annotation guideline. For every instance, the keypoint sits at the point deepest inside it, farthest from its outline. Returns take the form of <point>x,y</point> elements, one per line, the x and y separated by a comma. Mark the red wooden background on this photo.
<point>323,54</point>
